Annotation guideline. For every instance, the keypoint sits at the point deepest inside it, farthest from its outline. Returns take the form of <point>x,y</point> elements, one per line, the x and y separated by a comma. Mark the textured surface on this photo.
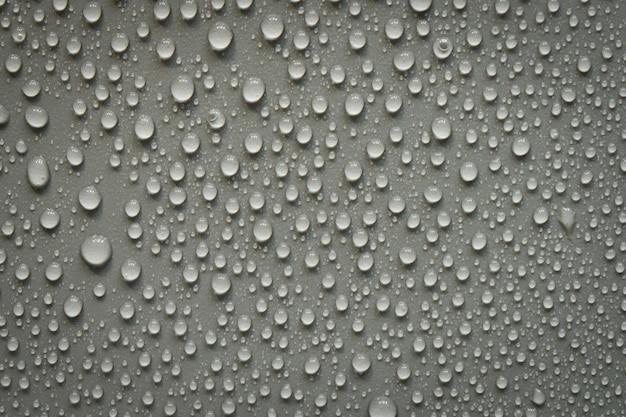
<point>297,208</point>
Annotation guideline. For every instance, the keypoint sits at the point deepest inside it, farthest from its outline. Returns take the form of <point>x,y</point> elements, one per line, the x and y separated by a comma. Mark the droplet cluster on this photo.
<point>299,208</point>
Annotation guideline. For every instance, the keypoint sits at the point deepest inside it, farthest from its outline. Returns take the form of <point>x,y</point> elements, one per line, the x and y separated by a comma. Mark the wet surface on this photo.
<point>312,208</point>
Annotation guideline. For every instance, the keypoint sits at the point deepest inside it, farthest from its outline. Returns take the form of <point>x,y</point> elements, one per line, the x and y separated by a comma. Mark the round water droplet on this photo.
<point>407,256</point>
<point>479,241</point>
<point>73,306</point>
<point>353,171</point>
<point>89,198</point>
<point>441,128</point>
<point>312,365</point>
<point>354,104</point>
<point>442,48</point>
<point>54,272</point>
<point>361,363</point>
<point>221,285</point>
<point>262,231</point>
<point>75,156</point>
<point>272,27</point>
<point>120,42</point>
<point>502,6</point>
<point>49,219</point>
<point>520,146</point>
<point>382,406</point>
<point>182,88</point>
<point>433,194</point>
<point>92,12</point>
<point>165,49</point>
<point>430,278</point>
<point>220,36</point>
<point>229,165</point>
<point>96,250</point>
<point>216,119</point>
<point>188,10</point>
<point>130,270</point>
<point>296,70</point>
<point>394,29</point>
<point>36,117</point>
<point>38,173</point>
<point>393,103</point>
<point>190,143</point>
<point>474,38</point>
<point>253,143</point>
<point>403,61</point>
<point>468,171</point>
<point>60,5</point>
<point>357,39</point>
<point>375,148</point>
<point>253,90</point>
<point>144,127</point>
<point>420,6</point>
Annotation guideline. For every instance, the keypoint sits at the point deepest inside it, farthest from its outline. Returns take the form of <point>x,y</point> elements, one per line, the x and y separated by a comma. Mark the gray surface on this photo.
<point>526,316</point>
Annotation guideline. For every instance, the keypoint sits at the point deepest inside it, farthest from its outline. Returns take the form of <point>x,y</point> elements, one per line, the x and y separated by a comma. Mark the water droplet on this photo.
<point>188,9</point>
<point>54,272</point>
<point>182,88</point>
<point>38,173</point>
<point>538,397</point>
<point>403,61</point>
<point>272,27</point>
<point>166,48</point>
<point>353,171</point>
<point>584,64</point>
<point>130,270</point>
<point>468,171</point>
<point>49,219</point>
<point>96,250</point>
<point>92,12</point>
<point>190,143</point>
<point>420,6</point>
<point>253,90</point>
<point>382,406</point>
<point>120,42</point>
<point>541,215</point>
<point>394,29</point>
<point>479,241</point>
<point>442,48</point>
<point>441,128</point>
<point>221,285</point>
<point>36,117</point>
<point>361,363</point>
<point>73,306</point>
<point>262,231</point>
<point>89,198</point>
<point>220,36</point>
<point>144,127</point>
<point>567,219</point>
<point>354,104</point>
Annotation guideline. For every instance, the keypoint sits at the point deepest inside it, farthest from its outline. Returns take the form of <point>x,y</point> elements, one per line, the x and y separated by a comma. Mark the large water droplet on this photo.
<point>73,306</point>
<point>96,250</point>
<point>38,173</point>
